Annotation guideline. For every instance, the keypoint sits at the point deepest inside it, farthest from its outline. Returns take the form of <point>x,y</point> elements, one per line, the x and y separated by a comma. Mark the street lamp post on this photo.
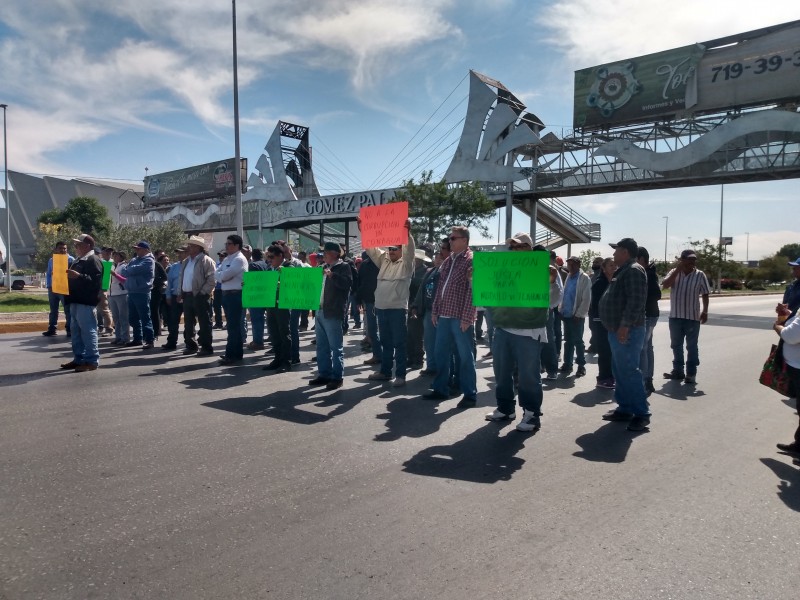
<point>747,255</point>
<point>238,160</point>
<point>8,202</point>
<point>666,232</point>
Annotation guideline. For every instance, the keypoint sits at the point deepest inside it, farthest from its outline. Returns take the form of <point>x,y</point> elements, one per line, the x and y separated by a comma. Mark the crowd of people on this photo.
<point>417,312</point>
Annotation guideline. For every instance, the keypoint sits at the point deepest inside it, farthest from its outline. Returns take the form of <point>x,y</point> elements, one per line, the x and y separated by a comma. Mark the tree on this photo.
<point>434,207</point>
<point>790,250</point>
<point>86,213</point>
<point>166,236</point>
<point>587,258</point>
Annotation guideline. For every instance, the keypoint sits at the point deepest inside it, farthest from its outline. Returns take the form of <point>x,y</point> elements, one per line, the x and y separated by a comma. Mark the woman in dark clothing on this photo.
<point>605,376</point>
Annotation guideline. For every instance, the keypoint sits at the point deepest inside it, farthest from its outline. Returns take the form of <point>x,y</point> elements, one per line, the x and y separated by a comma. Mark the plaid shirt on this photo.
<point>454,289</point>
<point>623,302</point>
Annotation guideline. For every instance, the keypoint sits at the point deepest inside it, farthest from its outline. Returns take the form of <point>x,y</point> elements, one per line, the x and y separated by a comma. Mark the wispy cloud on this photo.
<point>593,32</point>
<point>94,69</point>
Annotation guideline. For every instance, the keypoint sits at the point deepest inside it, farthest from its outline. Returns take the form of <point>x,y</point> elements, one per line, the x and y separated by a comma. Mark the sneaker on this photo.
<point>581,371</point>
<point>467,402</point>
<point>674,375</point>
<point>614,415</point>
<point>565,368</point>
<point>529,421</point>
<point>496,415</point>
<point>551,376</point>
<point>399,382</point>
<point>606,384</point>
<point>49,333</point>
<point>147,346</point>
<point>378,376</point>
<point>690,379</point>
<point>639,424</point>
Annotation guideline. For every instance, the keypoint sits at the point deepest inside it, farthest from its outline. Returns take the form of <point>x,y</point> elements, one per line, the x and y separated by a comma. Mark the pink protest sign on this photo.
<point>384,225</point>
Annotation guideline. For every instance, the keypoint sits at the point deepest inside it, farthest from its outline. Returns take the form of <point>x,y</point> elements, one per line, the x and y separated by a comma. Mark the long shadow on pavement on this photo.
<point>412,417</point>
<point>608,444</point>
<point>593,397</point>
<point>286,405</point>
<point>484,456</point>
<point>789,486</point>
<point>679,391</point>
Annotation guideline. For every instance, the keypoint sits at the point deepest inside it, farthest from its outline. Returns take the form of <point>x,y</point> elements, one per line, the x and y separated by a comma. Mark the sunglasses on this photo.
<point>393,248</point>
<point>456,237</point>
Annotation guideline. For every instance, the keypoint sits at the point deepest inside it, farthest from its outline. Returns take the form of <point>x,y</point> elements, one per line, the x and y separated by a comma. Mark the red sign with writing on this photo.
<point>384,225</point>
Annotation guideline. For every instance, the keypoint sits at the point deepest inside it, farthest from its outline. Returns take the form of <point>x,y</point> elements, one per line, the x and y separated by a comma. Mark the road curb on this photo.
<point>23,327</point>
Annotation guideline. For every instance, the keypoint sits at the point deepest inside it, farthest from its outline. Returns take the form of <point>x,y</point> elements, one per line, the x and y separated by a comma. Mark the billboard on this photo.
<point>211,180</point>
<point>762,68</point>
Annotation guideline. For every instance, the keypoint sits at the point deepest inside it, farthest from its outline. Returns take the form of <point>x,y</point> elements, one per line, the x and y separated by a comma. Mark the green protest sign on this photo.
<point>519,278</point>
<point>107,266</point>
<point>259,289</point>
<point>300,288</point>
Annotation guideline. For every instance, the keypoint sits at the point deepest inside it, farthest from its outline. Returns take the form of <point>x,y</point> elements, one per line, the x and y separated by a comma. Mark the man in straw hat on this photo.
<point>197,281</point>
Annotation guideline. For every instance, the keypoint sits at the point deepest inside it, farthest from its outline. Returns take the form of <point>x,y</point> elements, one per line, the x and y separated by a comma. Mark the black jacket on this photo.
<point>86,288</point>
<point>337,291</point>
<point>367,281</point>
<point>653,292</point>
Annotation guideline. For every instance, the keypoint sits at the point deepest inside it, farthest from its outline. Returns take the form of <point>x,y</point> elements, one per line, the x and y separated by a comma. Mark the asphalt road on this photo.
<point>164,476</point>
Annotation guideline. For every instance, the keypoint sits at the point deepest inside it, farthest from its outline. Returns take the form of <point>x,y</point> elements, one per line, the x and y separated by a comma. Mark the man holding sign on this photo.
<point>85,277</point>
<point>396,265</point>
<point>55,297</point>
<point>519,334</point>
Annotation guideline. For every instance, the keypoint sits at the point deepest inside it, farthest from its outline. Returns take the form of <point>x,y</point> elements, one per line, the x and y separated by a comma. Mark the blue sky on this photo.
<point>107,90</point>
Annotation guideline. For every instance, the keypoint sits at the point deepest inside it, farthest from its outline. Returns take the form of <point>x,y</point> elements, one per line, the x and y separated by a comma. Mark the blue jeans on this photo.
<point>139,317</point>
<point>330,353</point>
<point>680,330</point>
<point>119,312</point>
<point>449,334</point>
<point>392,323</point>
<point>234,315</point>
<point>84,334</point>
<point>510,351</point>
<point>372,329</point>
<point>573,341</point>
<point>429,340</point>
<point>549,360</point>
<point>355,313</point>
<point>629,394</point>
<point>55,299</point>
<point>257,319</point>
<point>646,361</point>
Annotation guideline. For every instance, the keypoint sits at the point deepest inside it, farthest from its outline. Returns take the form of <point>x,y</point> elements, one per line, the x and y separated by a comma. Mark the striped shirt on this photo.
<point>684,297</point>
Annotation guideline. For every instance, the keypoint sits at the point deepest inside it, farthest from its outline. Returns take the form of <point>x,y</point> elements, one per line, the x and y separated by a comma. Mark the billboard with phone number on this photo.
<point>211,180</point>
<point>758,71</point>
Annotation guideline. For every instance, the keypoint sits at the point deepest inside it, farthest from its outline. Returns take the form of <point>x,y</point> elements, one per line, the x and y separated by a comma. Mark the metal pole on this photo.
<point>666,237</point>
<point>8,202</point>
<point>238,160</point>
<point>747,256</point>
<point>721,205</point>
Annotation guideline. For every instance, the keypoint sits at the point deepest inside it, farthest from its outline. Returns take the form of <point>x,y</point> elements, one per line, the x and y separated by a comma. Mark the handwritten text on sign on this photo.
<point>259,289</point>
<point>520,279</point>
<point>384,225</point>
<point>300,288</point>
